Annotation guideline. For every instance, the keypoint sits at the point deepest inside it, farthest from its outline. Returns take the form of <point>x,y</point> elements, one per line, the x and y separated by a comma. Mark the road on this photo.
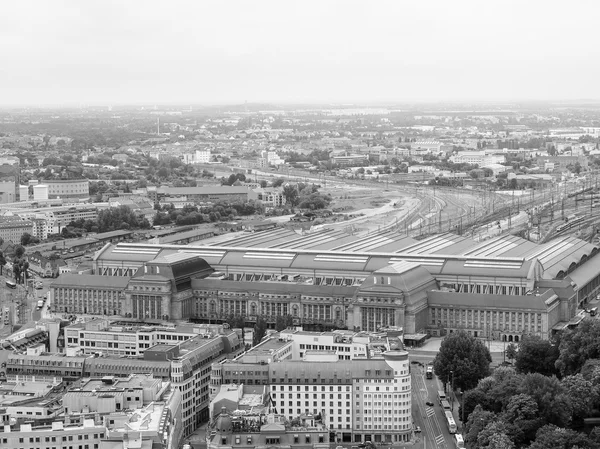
<point>22,303</point>
<point>431,419</point>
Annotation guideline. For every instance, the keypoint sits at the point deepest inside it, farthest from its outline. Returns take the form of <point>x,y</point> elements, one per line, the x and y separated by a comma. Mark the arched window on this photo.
<point>253,308</point>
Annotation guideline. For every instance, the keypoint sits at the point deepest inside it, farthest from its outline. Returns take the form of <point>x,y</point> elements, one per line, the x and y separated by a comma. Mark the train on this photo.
<point>571,220</point>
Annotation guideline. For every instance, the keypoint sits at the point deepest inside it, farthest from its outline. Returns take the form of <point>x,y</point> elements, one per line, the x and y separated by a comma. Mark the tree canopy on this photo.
<point>579,345</point>
<point>536,356</point>
<point>463,357</point>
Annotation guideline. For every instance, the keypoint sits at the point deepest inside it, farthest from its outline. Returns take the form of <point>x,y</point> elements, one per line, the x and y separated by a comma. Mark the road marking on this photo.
<point>430,412</point>
<point>440,439</point>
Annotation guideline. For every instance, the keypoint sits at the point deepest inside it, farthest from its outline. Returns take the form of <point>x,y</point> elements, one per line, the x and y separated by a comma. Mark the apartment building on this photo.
<point>13,228</point>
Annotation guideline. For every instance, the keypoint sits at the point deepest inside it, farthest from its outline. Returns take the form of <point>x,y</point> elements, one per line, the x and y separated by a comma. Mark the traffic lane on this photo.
<point>422,414</point>
<point>433,386</point>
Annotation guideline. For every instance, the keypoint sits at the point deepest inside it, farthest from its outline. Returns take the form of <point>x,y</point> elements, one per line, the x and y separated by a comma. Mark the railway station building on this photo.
<point>502,288</point>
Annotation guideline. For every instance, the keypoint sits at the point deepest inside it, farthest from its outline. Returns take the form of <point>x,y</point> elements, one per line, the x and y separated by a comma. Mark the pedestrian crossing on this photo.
<point>430,412</point>
<point>440,439</point>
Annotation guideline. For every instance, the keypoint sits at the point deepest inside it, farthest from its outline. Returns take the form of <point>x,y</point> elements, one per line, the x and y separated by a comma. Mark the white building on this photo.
<point>23,193</point>
<point>480,158</point>
<point>40,192</point>
<point>202,156</point>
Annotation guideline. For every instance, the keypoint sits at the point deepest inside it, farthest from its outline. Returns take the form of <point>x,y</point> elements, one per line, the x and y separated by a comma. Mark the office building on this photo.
<point>68,188</point>
<point>358,384</point>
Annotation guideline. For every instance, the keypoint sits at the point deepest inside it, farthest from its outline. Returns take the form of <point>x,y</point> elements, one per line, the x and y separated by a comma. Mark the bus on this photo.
<point>594,311</point>
<point>11,284</point>
<point>441,396</point>
<point>450,422</point>
<point>460,442</point>
<point>445,405</point>
<point>429,372</point>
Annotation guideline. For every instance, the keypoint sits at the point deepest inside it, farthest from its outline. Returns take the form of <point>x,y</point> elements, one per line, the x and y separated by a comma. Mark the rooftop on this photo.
<point>90,281</point>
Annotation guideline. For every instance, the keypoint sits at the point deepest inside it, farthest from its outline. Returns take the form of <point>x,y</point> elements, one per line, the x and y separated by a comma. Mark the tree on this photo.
<point>19,251</point>
<point>25,238</point>
<point>260,330</point>
<point>522,413</point>
<point>581,394</point>
<point>536,355</point>
<point>466,357</point>
<point>283,322</point>
<point>290,193</point>
<point>550,395</point>
<point>477,421</point>
<point>578,345</point>
<point>553,437</point>
<point>278,182</point>
<point>511,352</point>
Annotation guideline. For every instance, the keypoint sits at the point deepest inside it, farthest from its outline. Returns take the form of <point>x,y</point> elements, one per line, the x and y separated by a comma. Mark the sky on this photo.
<point>77,52</point>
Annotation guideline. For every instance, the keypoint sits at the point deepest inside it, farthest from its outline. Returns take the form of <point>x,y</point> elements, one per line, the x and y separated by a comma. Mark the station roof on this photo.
<point>562,254</point>
<point>448,254</point>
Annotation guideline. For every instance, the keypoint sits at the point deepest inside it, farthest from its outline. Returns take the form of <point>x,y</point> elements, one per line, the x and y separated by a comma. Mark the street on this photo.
<point>21,302</point>
<point>431,419</point>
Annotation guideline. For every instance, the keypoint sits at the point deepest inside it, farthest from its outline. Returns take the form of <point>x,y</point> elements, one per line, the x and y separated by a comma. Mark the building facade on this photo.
<point>68,188</point>
<point>13,228</point>
<point>88,294</point>
<point>367,290</point>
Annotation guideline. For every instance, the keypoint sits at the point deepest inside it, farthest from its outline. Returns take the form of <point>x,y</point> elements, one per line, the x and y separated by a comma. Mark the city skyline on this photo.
<point>95,53</point>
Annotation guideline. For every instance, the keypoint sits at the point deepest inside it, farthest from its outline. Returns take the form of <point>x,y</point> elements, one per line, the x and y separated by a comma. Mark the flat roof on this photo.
<point>90,281</point>
<point>537,302</point>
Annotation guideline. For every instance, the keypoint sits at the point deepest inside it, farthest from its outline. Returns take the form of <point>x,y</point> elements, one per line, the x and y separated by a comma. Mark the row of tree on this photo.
<point>206,214</point>
<point>540,403</point>
<point>113,219</point>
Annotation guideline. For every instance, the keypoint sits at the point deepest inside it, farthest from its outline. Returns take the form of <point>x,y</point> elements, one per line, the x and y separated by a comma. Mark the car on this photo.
<point>417,429</point>
<point>415,362</point>
<point>429,404</point>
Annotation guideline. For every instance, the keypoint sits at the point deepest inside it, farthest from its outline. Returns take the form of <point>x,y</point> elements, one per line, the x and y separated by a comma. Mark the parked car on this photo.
<point>417,429</point>
<point>429,404</point>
